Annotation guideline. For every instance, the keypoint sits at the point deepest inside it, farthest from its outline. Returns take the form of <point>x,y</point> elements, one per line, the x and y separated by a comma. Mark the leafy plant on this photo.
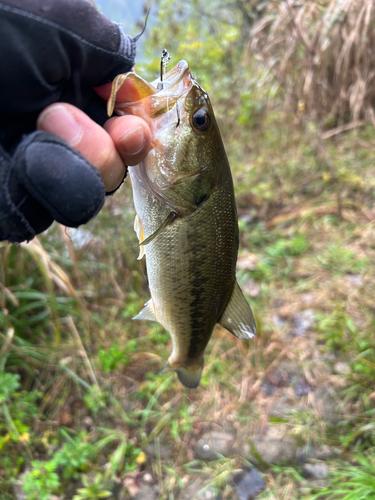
<point>351,481</point>
<point>338,330</point>
<point>305,204</point>
<point>111,358</point>
<point>41,481</point>
<point>95,399</point>
<point>92,490</point>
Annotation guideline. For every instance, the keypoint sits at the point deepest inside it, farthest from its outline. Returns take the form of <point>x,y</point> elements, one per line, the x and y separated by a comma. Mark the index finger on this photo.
<point>127,92</point>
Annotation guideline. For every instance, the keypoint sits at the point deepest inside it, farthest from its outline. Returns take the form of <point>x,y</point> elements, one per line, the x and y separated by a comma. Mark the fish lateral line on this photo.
<point>171,217</point>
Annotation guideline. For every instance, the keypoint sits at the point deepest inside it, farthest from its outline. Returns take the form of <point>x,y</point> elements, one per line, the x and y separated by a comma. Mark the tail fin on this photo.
<point>191,376</point>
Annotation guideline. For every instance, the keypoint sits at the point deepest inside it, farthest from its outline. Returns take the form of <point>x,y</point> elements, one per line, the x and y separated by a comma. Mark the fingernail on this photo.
<point>59,121</point>
<point>133,142</point>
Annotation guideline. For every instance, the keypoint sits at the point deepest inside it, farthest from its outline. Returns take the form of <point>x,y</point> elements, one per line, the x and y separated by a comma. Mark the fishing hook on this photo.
<point>178,115</point>
<point>165,58</point>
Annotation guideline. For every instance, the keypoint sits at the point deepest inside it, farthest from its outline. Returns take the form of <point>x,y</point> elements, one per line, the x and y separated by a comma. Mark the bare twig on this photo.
<point>76,335</point>
<point>343,128</point>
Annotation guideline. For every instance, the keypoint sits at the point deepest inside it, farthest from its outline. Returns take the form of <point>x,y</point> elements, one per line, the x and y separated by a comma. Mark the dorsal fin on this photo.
<point>147,313</point>
<point>238,317</point>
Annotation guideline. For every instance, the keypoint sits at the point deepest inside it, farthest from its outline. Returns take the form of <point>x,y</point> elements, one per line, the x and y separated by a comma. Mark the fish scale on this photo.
<point>186,220</point>
<point>193,295</point>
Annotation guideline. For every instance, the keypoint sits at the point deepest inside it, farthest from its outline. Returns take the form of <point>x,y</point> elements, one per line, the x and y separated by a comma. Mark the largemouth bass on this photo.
<point>186,219</point>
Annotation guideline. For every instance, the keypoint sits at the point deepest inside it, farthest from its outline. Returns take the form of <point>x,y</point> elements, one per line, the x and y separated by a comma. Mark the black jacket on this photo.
<point>50,51</point>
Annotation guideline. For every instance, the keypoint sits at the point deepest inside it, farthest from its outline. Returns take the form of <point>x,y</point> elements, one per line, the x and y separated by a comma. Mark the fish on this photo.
<point>186,219</point>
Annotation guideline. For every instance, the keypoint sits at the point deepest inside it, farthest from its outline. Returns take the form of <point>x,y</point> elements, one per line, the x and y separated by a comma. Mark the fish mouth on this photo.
<point>176,81</point>
<point>177,84</point>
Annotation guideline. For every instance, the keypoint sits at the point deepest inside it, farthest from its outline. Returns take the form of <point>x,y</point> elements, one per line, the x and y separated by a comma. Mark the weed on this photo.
<point>340,260</point>
<point>92,490</point>
<point>71,357</point>
<point>351,481</point>
<point>111,358</point>
<point>283,482</point>
<point>95,399</point>
<point>41,481</point>
<point>338,330</point>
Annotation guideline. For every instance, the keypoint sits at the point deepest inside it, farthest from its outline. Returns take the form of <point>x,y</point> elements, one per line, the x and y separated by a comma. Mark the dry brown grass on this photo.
<point>322,56</point>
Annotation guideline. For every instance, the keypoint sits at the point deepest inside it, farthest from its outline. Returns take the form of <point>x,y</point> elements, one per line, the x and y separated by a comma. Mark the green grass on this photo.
<point>70,350</point>
<point>351,481</point>
<point>81,401</point>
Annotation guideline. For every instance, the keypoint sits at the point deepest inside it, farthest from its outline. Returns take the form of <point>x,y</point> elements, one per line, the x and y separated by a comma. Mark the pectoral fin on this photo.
<point>238,317</point>
<point>171,217</point>
<point>147,313</point>
<point>138,228</point>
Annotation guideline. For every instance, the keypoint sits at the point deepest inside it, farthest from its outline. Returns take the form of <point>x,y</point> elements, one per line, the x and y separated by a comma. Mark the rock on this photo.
<point>276,451</point>
<point>278,320</point>
<point>289,367</point>
<point>302,322</point>
<point>342,368</point>
<point>18,486</point>
<point>355,279</point>
<point>318,470</point>
<point>278,377</point>
<point>302,387</point>
<point>196,491</point>
<point>212,444</point>
<point>166,450</point>
<point>88,424</point>
<point>117,489</point>
<point>283,404</point>
<point>249,484</point>
<point>269,389</point>
<point>147,478</point>
<point>251,288</point>
<point>275,448</point>
<point>311,452</point>
<point>146,492</point>
<point>319,483</point>
<point>326,404</point>
<point>247,261</point>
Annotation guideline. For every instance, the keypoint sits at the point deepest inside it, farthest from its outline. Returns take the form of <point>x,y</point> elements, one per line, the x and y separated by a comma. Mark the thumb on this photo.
<point>59,178</point>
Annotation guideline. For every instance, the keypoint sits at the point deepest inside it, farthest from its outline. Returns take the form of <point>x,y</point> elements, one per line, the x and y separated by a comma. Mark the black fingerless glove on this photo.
<point>50,51</point>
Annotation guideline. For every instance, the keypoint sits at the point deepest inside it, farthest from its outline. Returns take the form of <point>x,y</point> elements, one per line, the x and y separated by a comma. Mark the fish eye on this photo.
<point>201,120</point>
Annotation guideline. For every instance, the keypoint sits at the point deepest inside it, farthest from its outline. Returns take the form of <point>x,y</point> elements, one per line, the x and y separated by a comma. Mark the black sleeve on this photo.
<point>50,51</point>
<point>54,50</point>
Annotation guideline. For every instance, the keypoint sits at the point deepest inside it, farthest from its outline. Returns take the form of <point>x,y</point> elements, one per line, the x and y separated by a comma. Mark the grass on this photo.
<point>78,383</point>
<point>82,406</point>
<point>351,481</point>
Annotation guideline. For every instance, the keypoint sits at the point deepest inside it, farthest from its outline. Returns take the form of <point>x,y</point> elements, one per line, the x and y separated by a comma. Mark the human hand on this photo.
<point>49,77</point>
<point>123,141</point>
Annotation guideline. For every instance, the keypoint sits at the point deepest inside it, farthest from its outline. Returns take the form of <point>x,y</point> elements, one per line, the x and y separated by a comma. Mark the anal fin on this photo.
<point>147,313</point>
<point>238,317</point>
